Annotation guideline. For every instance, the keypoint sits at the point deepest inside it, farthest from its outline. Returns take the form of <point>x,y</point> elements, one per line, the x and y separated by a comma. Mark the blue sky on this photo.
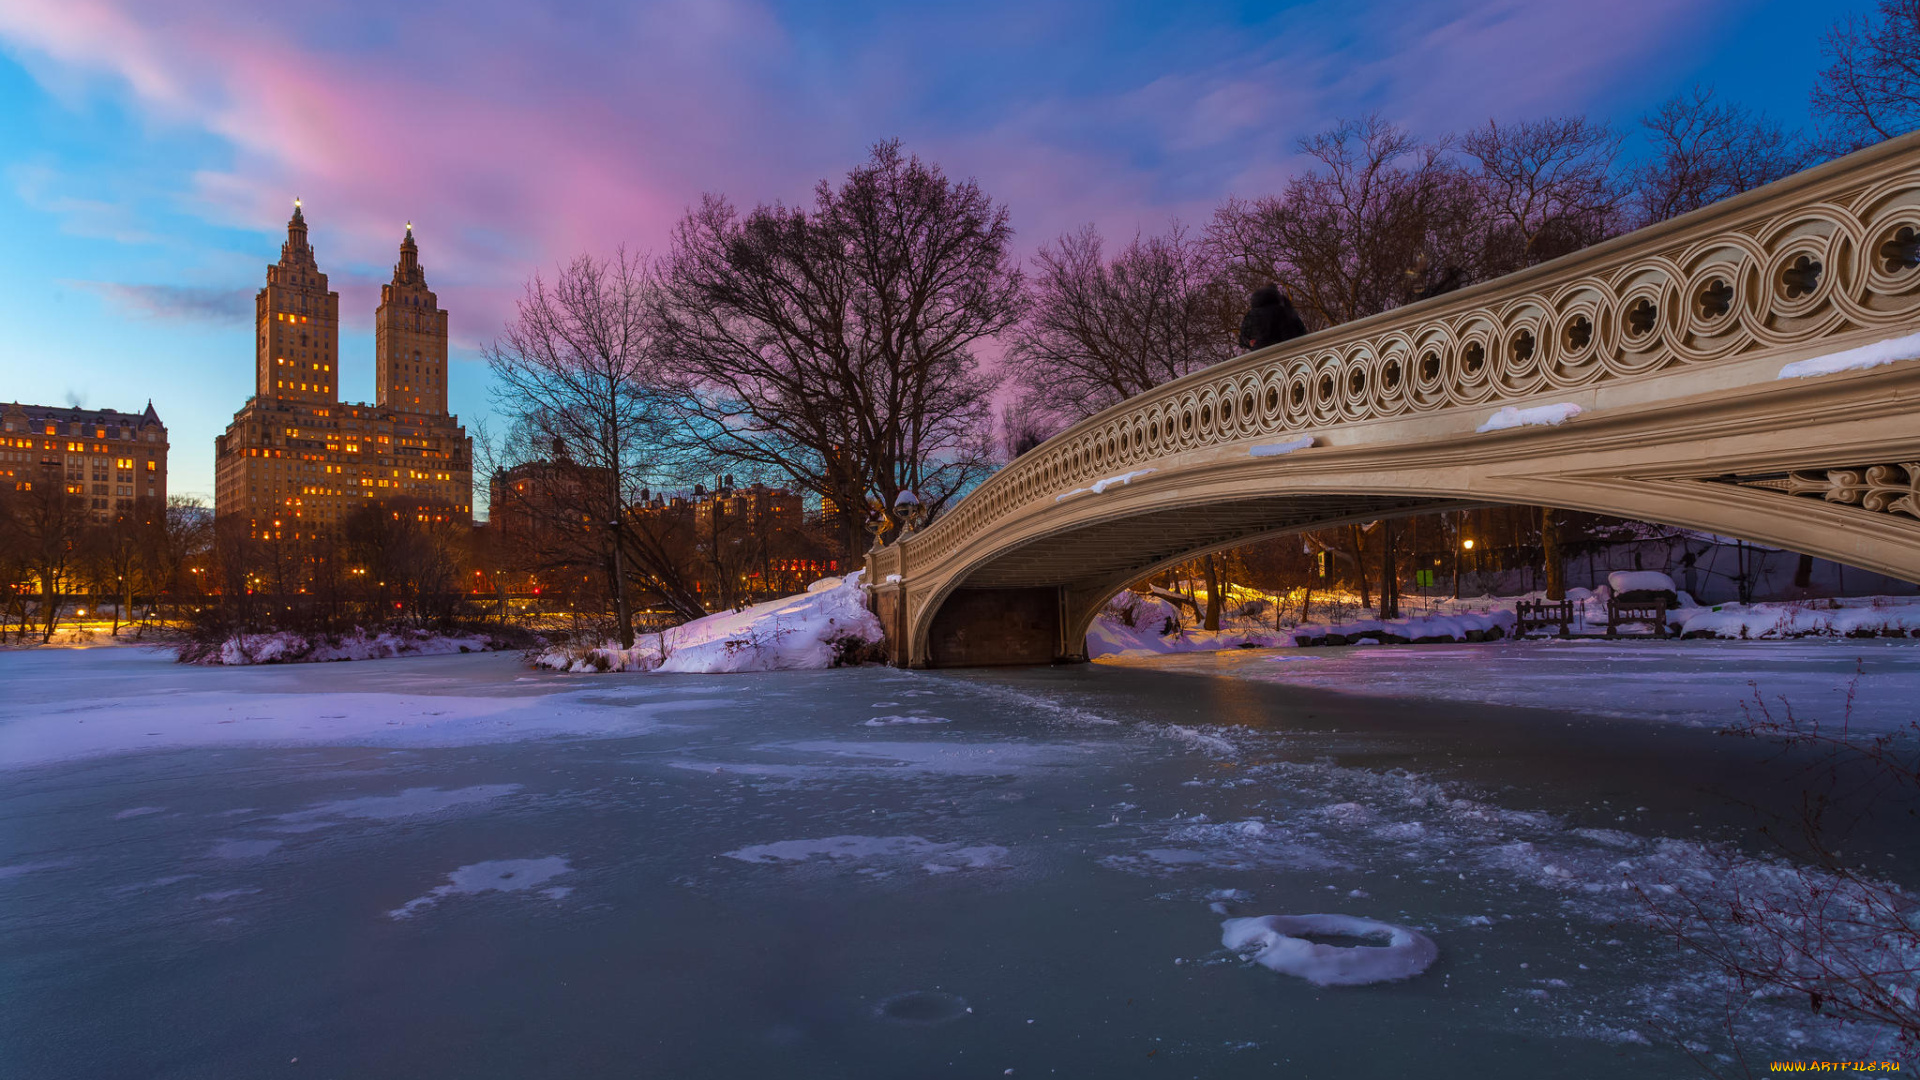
<point>149,151</point>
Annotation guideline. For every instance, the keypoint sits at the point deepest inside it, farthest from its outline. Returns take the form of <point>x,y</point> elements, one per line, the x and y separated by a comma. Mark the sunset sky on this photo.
<point>148,161</point>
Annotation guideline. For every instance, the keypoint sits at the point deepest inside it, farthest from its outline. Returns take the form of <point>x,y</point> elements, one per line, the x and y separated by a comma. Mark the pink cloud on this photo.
<point>514,136</point>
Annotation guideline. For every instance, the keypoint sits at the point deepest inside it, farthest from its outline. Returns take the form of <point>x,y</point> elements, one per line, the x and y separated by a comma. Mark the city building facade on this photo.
<point>112,459</point>
<point>296,460</point>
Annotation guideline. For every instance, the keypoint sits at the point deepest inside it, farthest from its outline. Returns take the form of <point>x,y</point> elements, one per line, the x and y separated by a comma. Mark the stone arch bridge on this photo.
<point>1676,359</point>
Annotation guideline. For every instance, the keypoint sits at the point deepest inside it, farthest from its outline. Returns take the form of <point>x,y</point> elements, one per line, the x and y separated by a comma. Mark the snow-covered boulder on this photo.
<point>826,626</point>
<point>1633,581</point>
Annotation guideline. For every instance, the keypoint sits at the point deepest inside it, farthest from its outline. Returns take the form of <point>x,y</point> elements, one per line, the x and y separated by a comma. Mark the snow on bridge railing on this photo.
<point>1832,250</point>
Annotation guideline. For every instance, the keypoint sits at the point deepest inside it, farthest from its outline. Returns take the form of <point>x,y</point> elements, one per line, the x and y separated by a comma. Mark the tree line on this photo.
<point>57,558</point>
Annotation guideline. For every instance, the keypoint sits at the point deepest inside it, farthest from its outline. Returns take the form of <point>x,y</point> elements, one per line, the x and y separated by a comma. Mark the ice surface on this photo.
<point>413,802</point>
<point>1539,415</point>
<point>244,849</point>
<point>181,706</point>
<point>1281,448</point>
<point>1282,945</point>
<point>891,721</point>
<point>501,875</point>
<point>1875,355</point>
<point>836,847</point>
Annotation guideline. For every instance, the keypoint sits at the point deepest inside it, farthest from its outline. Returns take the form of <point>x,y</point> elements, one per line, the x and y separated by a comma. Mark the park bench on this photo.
<point>1541,614</point>
<point>1625,610</point>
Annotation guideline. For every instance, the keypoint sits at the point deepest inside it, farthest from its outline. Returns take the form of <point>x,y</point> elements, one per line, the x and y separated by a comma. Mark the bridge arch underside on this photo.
<point>1031,599</point>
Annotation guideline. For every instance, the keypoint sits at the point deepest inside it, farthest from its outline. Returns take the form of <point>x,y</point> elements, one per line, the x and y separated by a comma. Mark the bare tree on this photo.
<point>1025,425</point>
<point>1380,220</point>
<point>1704,151</point>
<point>836,346</point>
<point>1871,91</point>
<point>577,370</point>
<point>50,525</point>
<point>175,548</point>
<point>1101,330</point>
<point>1546,188</point>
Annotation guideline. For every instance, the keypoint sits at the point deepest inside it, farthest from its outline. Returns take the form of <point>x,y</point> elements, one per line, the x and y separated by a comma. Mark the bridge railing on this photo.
<point>1823,252</point>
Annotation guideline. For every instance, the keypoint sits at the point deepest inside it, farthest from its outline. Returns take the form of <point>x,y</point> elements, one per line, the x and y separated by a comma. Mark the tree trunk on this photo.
<point>1550,554</point>
<point>1389,582</point>
<point>1456,556</point>
<point>49,607</point>
<point>624,612</point>
<point>1213,594</point>
<point>1360,563</point>
<point>1803,573</point>
<point>1306,605</point>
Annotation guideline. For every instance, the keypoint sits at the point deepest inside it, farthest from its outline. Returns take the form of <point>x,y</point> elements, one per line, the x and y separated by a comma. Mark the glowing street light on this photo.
<point>1467,544</point>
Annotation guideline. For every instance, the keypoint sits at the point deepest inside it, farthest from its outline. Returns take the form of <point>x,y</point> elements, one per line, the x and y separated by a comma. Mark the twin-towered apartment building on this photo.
<point>296,460</point>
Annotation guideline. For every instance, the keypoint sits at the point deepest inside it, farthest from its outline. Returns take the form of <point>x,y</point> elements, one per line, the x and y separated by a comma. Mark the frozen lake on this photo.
<point>454,866</point>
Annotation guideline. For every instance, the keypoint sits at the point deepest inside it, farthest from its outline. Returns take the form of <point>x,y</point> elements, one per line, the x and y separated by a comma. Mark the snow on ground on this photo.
<point>1875,355</point>
<point>1134,627</point>
<point>826,626</point>
<point>286,647</point>
<point>1538,416</point>
<point>1867,616</point>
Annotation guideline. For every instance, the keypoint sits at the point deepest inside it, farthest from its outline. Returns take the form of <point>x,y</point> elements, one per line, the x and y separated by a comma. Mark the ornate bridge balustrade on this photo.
<point>1672,357</point>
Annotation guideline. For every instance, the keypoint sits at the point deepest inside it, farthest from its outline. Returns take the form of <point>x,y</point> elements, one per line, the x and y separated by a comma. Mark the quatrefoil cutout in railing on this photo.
<point>1715,300</point>
<point>1800,278</point>
<point>1640,318</point>
<point>1901,251</point>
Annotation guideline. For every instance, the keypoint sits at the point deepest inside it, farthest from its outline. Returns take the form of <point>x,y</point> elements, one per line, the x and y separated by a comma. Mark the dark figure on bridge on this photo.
<point>1270,319</point>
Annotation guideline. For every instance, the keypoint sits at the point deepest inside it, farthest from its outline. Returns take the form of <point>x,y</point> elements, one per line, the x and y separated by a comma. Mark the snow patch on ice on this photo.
<point>1889,351</point>
<point>934,858</point>
<point>1537,416</point>
<point>892,721</point>
<point>138,811</point>
<point>1280,942</point>
<point>499,875</point>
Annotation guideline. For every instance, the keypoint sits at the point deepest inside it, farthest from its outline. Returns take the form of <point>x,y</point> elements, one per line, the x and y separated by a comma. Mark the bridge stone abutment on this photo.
<point>1711,372</point>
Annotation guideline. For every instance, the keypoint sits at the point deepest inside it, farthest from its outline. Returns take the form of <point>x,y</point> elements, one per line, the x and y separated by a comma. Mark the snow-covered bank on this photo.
<point>826,626</point>
<point>1134,626</point>
<point>287,647</point>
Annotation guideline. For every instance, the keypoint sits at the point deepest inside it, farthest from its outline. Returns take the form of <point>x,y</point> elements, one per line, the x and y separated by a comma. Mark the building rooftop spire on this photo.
<point>407,271</point>
<point>297,249</point>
